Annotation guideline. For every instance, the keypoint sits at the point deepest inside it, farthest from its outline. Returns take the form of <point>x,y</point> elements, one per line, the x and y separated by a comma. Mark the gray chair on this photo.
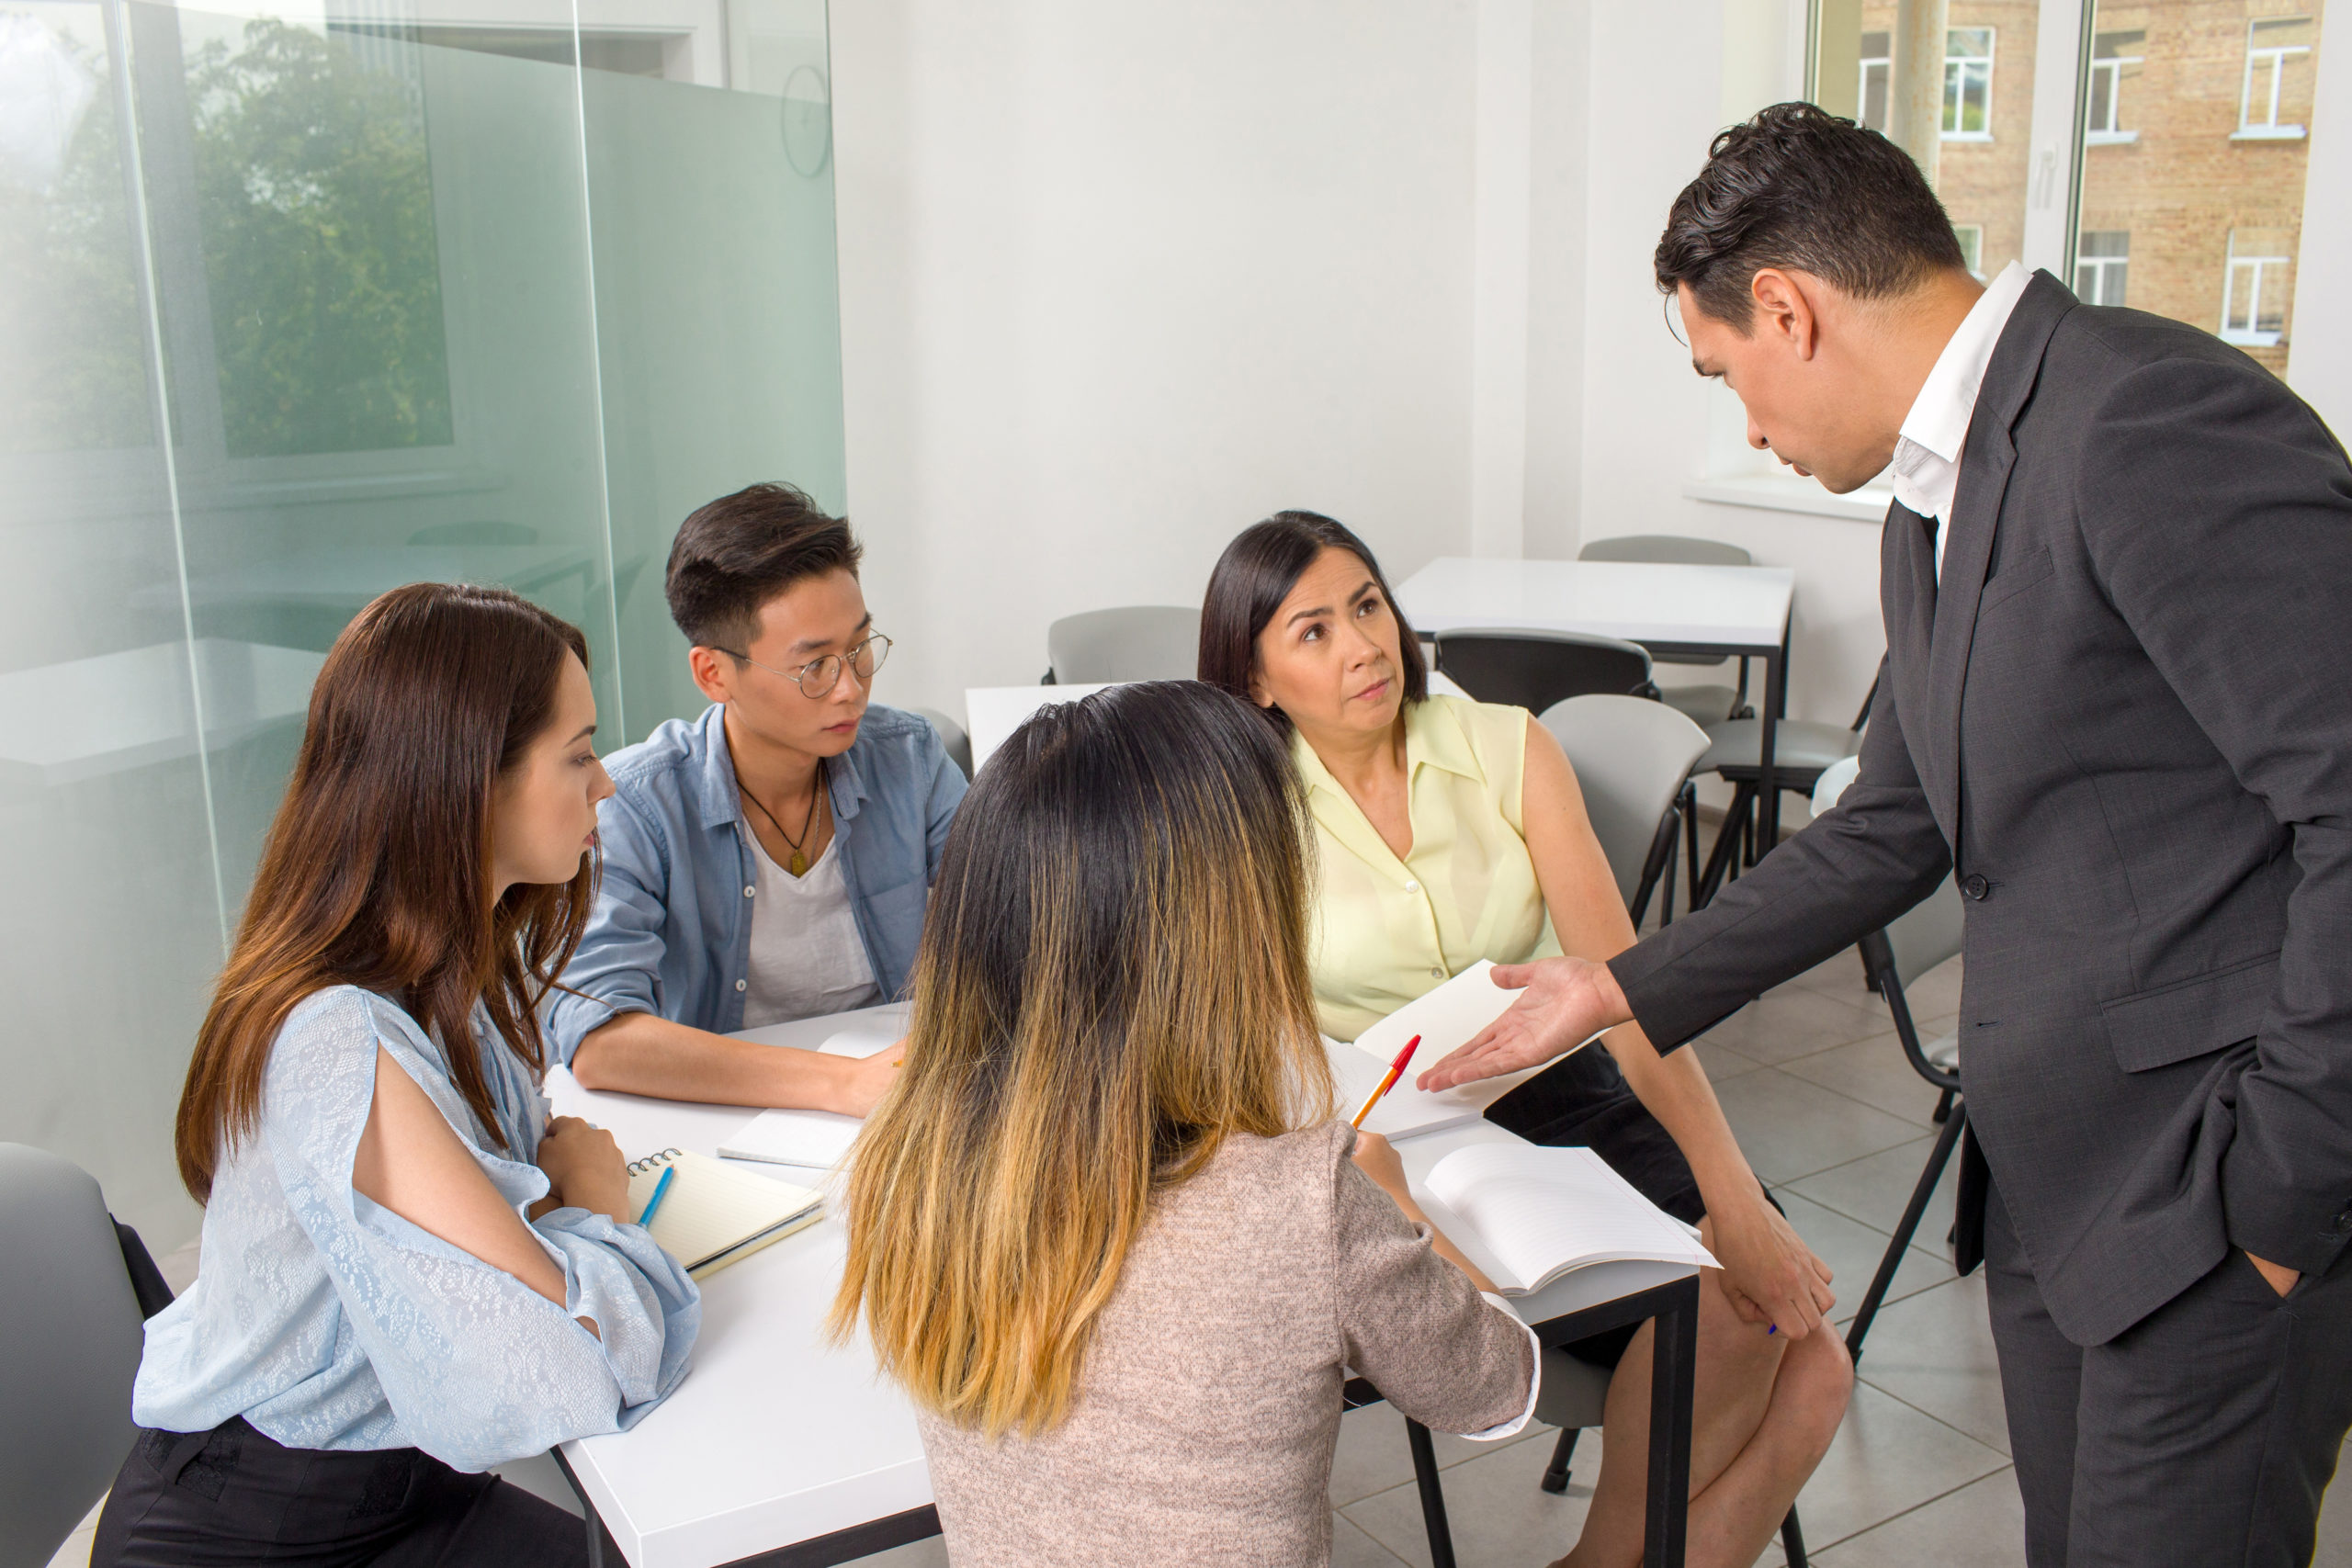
<point>1533,669</point>
<point>1632,759</point>
<point>1803,750</point>
<point>1135,642</point>
<point>1701,705</point>
<point>951,735</point>
<point>75,1287</point>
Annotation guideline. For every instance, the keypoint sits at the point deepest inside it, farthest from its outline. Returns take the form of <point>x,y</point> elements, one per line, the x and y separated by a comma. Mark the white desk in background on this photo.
<point>112,712</point>
<point>993,712</point>
<point>783,1449</point>
<point>1725,611</point>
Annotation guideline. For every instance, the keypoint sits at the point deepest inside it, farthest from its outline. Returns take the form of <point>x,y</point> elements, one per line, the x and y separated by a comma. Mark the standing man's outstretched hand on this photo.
<point>1567,1001</point>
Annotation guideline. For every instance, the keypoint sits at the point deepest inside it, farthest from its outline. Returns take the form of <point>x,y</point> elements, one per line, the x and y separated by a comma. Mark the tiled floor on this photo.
<point>1815,1085</point>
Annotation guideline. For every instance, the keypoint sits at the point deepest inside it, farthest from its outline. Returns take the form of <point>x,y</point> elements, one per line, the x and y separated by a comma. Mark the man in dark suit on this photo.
<point>2118,703</point>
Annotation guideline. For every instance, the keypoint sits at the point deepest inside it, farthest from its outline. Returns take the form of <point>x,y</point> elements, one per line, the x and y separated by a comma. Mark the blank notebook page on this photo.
<point>712,1206</point>
<point>1539,1210</point>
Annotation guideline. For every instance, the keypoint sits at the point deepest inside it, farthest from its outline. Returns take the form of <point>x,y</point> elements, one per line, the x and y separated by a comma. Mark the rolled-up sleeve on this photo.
<point>617,966</point>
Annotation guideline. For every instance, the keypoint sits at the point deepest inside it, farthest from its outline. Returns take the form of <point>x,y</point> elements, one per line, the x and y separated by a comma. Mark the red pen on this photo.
<point>1395,1071</point>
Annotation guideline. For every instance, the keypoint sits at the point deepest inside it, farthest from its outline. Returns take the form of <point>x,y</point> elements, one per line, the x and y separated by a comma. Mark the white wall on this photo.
<point>1119,280</point>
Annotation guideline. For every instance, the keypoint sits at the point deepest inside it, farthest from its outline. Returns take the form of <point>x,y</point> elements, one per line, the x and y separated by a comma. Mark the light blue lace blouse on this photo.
<point>329,1322</point>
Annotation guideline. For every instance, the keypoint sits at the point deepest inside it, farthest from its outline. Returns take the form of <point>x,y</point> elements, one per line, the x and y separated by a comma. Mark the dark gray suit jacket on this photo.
<point>2126,718</point>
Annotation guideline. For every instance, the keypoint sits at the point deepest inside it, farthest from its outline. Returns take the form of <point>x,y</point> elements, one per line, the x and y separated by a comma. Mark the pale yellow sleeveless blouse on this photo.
<point>1385,931</point>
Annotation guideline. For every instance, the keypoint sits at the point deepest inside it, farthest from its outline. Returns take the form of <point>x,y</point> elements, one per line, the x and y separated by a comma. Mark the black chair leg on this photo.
<point>1433,1494</point>
<point>1793,1539</point>
<point>1724,859</point>
<point>1943,1107</point>
<point>1946,1140</point>
<point>1665,884</point>
<point>1556,1474</point>
<point>1690,841</point>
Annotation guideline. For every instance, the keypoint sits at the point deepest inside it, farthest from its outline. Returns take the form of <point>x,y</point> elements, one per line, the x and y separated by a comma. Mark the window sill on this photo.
<point>2268,133</point>
<point>2110,138</point>
<point>2252,340</point>
<point>1776,492</point>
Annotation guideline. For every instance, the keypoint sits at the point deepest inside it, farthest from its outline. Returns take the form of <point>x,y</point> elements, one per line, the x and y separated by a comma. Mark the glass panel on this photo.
<point>364,303</point>
<point>111,928</point>
<point>2202,175</point>
<point>1968,84</point>
<point>717,302</point>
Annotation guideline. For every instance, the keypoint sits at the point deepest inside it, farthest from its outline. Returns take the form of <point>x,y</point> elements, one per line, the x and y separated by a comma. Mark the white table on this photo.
<point>1725,611</point>
<point>781,1448</point>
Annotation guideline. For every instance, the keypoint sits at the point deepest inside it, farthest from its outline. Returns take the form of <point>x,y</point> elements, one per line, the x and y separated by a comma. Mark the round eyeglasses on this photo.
<point>817,678</point>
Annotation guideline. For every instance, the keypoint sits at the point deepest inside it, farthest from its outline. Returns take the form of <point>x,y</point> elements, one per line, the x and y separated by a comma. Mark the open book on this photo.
<point>715,1215</point>
<point>1540,1212</point>
<point>1446,1019</point>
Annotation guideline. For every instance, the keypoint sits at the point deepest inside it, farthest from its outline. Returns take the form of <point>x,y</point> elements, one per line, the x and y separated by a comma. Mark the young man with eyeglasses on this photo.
<point>770,860</point>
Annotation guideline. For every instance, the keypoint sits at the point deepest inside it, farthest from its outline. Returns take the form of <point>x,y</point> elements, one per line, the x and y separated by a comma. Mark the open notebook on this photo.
<point>1446,1018</point>
<point>1537,1214</point>
<point>813,1140</point>
<point>716,1215</point>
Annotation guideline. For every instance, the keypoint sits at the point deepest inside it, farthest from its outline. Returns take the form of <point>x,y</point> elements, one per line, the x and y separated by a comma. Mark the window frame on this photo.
<point>1956,105</point>
<point>2111,134</point>
<point>2270,129</point>
<point>2252,335</point>
<point>2100,266</point>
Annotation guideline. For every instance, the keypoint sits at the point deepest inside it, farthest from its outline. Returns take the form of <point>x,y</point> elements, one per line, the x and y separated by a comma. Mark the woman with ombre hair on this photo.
<point>1103,1229</point>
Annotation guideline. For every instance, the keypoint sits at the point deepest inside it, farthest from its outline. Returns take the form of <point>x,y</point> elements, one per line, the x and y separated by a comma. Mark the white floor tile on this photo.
<point>1790,1128</point>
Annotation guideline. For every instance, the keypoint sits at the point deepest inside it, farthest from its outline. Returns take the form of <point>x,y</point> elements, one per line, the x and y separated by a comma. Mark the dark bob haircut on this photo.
<point>1255,575</point>
<point>736,553</point>
<point>1798,187</point>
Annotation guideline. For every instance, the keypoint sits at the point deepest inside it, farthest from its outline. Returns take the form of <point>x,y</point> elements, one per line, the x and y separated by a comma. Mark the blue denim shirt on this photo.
<point>672,933</point>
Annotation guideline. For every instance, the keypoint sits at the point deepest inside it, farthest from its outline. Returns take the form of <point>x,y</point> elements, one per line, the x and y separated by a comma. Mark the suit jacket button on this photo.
<point>1976,888</point>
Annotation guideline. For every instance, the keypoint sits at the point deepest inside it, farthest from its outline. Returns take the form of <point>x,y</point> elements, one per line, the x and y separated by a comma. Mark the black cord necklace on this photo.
<point>798,865</point>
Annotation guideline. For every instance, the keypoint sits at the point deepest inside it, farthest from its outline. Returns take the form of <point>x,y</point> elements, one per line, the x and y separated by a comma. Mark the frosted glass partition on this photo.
<point>297,305</point>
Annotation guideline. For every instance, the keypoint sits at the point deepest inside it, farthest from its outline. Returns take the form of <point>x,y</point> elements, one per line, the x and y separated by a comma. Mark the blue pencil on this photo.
<point>661,1191</point>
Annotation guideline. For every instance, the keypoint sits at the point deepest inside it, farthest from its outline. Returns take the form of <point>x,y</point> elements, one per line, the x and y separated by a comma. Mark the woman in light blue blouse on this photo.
<point>410,1273</point>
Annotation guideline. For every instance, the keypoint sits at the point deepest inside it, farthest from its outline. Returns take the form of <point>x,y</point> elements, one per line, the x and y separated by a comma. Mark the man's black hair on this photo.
<point>733,555</point>
<point>1800,189</point>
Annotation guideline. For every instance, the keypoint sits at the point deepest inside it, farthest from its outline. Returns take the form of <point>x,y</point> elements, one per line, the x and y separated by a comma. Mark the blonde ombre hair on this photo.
<point>1113,979</point>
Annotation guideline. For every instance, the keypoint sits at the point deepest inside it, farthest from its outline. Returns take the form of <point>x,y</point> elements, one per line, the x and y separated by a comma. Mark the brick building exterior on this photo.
<point>2196,113</point>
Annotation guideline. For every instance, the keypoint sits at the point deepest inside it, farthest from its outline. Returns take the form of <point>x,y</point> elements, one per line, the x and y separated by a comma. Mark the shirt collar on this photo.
<point>1433,735</point>
<point>722,803</point>
<point>1936,429</point>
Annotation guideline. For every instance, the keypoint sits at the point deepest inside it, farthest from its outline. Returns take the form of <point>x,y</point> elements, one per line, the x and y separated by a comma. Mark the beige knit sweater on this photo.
<point>1209,1401</point>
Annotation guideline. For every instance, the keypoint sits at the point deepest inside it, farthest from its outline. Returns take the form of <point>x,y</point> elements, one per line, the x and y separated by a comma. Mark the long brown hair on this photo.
<point>1254,576</point>
<point>1112,981</point>
<point>377,870</point>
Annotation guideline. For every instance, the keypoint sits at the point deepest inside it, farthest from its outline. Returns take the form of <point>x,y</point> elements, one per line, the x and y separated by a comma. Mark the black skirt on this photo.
<point>1585,1100</point>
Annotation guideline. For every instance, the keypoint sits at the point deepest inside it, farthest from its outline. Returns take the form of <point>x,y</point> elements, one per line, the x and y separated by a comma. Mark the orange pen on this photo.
<point>1395,1071</point>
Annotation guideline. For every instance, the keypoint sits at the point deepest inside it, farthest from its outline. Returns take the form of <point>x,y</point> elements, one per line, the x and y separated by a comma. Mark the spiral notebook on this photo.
<point>716,1215</point>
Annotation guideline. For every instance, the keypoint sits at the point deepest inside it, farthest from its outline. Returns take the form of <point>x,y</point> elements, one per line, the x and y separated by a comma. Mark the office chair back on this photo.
<point>1671,549</point>
<point>1631,758</point>
<point>951,735</point>
<point>1534,669</point>
<point>72,1315</point>
<point>1134,642</point>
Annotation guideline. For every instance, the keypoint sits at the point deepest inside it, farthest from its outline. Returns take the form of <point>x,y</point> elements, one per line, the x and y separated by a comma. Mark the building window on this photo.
<point>2101,260</point>
<point>1972,246</point>
<point>2254,298</point>
<point>1968,85</point>
<point>2114,57</point>
<point>2277,66</point>
<point>1877,76</point>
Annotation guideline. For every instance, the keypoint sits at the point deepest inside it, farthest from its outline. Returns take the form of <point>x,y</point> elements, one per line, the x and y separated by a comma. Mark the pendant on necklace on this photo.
<point>800,867</point>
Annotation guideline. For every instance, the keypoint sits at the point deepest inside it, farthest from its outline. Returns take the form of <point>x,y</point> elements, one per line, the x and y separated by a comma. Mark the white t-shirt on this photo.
<point>807,958</point>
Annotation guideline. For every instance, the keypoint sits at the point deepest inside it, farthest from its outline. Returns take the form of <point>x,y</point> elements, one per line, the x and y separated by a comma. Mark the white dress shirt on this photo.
<point>1926,455</point>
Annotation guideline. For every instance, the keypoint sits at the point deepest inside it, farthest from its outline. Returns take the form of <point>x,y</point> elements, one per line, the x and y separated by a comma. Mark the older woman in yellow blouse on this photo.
<point>1449,831</point>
